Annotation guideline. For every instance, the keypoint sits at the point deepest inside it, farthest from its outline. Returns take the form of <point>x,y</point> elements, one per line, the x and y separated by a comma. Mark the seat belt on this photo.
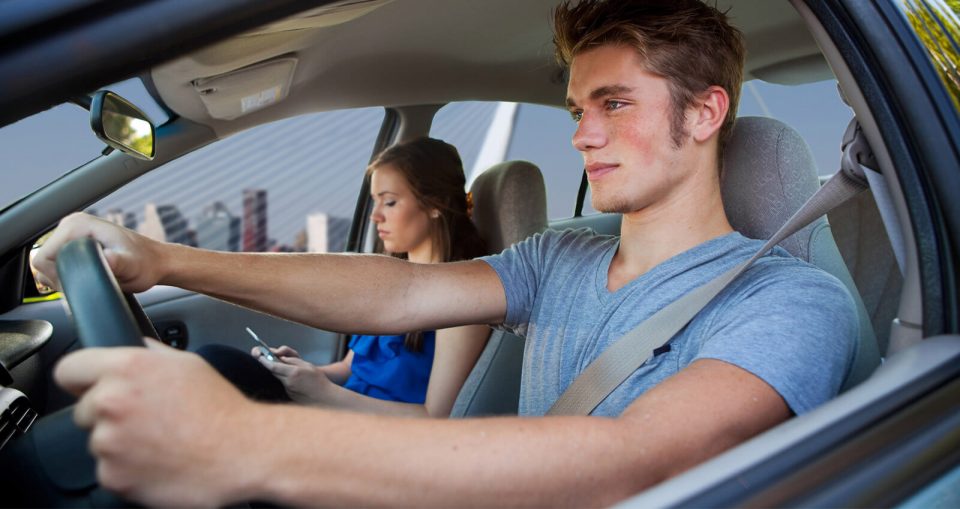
<point>634,348</point>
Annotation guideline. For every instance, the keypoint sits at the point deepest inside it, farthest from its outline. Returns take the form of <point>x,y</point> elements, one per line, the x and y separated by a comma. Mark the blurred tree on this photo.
<point>939,31</point>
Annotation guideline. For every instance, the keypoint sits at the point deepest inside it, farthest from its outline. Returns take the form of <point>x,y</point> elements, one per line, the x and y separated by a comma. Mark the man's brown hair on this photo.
<point>689,43</point>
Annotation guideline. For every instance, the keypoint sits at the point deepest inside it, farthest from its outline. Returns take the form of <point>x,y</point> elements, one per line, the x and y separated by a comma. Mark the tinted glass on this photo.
<point>286,186</point>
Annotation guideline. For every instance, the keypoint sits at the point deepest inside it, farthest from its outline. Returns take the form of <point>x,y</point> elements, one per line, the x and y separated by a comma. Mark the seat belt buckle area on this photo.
<point>857,153</point>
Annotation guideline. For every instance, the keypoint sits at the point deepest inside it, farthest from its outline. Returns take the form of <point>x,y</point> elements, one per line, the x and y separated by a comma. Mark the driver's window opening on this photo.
<point>489,132</point>
<point>287,186</point>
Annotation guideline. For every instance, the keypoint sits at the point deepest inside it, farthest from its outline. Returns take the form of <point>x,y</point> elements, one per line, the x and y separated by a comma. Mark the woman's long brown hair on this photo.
<point>434,172</point>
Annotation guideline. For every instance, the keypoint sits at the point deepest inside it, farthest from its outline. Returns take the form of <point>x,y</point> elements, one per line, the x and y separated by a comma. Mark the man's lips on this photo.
<point>597,170</point>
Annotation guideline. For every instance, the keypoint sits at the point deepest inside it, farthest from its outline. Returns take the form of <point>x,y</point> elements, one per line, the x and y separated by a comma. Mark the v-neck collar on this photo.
<point>703,252</point>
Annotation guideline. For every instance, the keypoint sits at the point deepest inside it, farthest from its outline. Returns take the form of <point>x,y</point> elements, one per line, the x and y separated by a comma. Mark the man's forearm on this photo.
<point>333,292</point>
<point>582,461</point>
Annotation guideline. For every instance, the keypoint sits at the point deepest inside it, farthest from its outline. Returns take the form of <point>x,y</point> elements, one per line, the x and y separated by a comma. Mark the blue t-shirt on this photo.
<point>786,321</point>
<point>385,369</point>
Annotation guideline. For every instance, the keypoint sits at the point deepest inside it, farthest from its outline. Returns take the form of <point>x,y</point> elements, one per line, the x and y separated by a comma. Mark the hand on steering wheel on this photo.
<point>102,313</point>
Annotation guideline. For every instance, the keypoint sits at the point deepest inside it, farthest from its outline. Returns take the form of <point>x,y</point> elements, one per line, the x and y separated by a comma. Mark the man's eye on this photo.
<point>576,115</point>
<point>614,105</point>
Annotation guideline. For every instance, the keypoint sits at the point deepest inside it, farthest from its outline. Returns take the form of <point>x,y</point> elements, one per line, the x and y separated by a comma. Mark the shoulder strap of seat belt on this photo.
<point>633,349</point>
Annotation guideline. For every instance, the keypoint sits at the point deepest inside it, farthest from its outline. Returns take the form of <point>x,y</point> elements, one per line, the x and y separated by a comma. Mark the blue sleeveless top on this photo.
<point>383,368</point>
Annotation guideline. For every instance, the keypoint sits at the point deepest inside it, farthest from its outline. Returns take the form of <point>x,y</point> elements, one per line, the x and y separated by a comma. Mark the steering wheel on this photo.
<point>103,315</point>
<point>50,465</point>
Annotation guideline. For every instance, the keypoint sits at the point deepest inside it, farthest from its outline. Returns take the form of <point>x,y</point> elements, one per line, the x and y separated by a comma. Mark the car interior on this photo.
<point>360,53</point>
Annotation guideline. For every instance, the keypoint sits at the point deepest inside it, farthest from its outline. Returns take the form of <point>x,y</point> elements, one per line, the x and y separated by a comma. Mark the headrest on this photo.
<point>510,203</point>
<point>768,173</point>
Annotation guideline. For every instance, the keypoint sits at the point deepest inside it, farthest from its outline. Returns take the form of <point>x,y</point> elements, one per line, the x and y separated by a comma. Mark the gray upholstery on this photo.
<point>768,173</point>
<point>510,204</point>
<point>865,247</point>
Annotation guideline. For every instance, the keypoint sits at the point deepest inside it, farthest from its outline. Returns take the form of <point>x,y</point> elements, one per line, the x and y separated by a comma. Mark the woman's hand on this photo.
<point>305,382</point>
<point>282,351</point>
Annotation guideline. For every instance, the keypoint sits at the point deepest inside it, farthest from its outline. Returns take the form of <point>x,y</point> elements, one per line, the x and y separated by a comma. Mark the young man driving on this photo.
<point>653,87</point>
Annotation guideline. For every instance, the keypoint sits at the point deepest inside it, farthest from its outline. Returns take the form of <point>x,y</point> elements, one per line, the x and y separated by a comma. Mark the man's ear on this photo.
<point>710,111</point>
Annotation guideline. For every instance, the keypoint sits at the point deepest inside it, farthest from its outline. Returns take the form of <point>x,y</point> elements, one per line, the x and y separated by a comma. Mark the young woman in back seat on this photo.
<point>421,214</point>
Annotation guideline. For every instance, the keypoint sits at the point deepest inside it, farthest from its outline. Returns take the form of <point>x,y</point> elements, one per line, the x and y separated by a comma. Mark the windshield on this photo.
<point>40,148</point>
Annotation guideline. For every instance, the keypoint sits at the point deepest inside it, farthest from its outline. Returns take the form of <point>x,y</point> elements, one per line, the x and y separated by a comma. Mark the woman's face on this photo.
<point>402,223</point>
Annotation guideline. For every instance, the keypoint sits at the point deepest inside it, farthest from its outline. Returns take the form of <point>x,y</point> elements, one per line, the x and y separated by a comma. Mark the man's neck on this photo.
<point>688,217</point>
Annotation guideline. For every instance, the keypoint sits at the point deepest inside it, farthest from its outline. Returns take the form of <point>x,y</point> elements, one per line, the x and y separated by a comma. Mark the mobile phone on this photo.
<point>264,348</point>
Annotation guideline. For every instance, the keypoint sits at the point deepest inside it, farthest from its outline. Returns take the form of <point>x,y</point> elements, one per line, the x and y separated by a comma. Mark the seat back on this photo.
<point>865,246</point>
<point>510,204</point>
<point>768,173</point>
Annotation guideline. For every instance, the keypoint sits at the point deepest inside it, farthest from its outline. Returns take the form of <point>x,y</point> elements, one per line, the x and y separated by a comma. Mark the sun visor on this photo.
<point>237,93</point>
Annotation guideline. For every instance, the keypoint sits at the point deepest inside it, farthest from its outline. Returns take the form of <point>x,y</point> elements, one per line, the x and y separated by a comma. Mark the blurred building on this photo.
<point>255,220</point>
<point>124,219</point>
<point>218,229</point>
<point>326,234</point>
<point>166,223</point>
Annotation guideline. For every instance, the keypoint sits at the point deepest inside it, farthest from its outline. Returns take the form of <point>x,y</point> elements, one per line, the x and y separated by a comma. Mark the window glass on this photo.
<point>40,148</point>
<point>289,185</point>
<point>464,125</point>
<point>815,110</point>
<point>944,492</point>
<point>541,134</point>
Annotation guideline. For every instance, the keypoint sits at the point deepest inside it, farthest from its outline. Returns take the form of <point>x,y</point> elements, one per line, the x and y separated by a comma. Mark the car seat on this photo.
<point>865,246</point>
<point>510,204</point>
<point>768,173</point>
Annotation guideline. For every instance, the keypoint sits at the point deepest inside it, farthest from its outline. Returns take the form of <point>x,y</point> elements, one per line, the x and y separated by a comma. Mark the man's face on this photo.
<point>624,133</point>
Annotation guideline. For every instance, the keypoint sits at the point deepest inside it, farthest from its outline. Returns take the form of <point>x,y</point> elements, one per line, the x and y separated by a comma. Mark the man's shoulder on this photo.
<point>552,243</point>
<point>781,287</point>
<point>782,269</point>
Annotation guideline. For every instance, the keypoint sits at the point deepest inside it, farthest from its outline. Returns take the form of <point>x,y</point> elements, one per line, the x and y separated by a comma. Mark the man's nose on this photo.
<point>589,134</point>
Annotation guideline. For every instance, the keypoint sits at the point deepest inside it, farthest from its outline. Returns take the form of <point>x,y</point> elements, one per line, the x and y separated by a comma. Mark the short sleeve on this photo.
<point>519,267</point>
<point>796,329</point>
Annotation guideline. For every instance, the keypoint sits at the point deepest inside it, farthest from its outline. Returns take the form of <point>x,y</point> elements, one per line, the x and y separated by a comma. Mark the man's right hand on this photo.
<point>135,260</point>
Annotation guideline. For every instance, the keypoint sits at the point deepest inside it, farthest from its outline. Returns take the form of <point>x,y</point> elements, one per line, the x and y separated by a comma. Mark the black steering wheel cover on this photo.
<point>100,311</point>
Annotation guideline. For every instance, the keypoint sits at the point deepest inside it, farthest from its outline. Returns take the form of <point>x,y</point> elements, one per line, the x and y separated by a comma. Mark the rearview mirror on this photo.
<point>122,125</point>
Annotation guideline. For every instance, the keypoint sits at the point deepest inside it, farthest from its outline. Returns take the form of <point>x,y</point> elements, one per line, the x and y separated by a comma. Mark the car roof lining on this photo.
<point>371,59</point>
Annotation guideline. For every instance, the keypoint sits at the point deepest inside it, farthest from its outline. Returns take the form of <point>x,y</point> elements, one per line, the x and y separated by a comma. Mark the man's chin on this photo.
<point>612,206</point>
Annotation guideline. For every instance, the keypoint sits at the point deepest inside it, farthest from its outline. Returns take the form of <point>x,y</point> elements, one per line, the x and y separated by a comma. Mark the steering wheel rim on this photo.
<point>103,315</point>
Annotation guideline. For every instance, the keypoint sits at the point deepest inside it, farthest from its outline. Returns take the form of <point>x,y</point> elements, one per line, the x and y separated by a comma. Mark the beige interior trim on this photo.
<point>906,329</point>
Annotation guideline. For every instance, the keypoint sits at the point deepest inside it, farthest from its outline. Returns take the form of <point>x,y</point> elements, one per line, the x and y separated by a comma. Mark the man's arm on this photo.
<point>335,292</point>
<point>166,430</point>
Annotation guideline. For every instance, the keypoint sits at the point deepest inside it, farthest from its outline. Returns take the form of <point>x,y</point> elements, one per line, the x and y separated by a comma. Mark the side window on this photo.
<point>289,185</point>
<point>815,110</point>
<point>489,133</point>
